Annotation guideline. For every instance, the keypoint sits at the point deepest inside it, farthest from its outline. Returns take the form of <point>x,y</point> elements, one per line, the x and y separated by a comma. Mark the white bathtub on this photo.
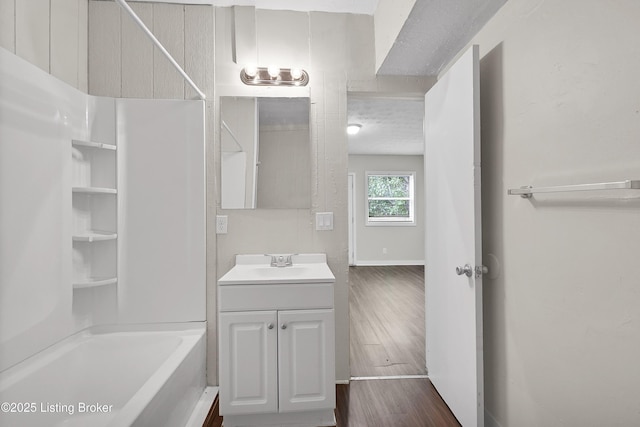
<point>142,375</point>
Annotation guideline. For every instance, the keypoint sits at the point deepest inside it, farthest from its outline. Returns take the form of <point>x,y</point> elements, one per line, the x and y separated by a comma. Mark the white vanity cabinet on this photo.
<point>277,350</point>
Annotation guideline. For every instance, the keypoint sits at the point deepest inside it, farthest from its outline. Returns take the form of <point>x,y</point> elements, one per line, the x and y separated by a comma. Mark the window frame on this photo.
<point>391,221</point>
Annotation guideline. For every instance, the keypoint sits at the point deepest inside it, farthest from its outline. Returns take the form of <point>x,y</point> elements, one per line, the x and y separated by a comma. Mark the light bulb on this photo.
<point>251,70</point>
<point>273,71</point>
<point>353,129</point>
<point>296,73</point>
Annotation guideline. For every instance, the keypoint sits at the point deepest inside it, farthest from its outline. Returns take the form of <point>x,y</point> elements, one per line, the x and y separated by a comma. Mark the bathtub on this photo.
<point>117,376</point>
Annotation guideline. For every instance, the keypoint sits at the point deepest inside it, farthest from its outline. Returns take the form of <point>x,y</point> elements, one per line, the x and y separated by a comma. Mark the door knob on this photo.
<point>466,270</point>
<point>269,325</point>
<point>284,326</point>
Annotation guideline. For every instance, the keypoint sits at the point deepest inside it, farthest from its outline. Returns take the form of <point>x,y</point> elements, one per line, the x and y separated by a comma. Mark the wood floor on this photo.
<point>382,403</point>
<point>387,321</point>
<point>391,403</point>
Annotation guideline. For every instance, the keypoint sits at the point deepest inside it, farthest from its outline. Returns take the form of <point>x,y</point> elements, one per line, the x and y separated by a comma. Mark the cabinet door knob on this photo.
<point>284,326</point>
<point>269,325</point>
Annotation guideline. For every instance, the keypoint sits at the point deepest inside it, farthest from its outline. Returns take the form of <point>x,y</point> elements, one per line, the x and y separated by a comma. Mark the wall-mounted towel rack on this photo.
<point>528,192</point>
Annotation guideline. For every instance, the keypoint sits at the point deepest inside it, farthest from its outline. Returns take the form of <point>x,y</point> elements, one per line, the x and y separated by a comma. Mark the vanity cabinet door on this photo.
<point>248,362</point>
<point>306,363</point>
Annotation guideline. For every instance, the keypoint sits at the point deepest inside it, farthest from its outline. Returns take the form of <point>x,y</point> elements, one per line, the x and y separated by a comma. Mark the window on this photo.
<point>390,198</point>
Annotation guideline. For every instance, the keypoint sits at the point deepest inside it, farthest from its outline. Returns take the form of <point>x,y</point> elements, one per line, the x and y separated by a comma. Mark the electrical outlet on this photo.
<point>221,224</point>
<point>384,251</point>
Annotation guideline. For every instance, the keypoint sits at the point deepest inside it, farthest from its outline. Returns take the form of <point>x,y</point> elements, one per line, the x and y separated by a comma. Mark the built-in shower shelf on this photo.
<point>94,190</point>
<point>94,236</point>
<point>95,214</point>
<point>94,282</point>
<point>92,144</point>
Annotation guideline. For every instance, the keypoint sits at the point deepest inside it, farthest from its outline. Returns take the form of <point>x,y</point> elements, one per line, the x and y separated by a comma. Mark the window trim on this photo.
<point>391,221</point>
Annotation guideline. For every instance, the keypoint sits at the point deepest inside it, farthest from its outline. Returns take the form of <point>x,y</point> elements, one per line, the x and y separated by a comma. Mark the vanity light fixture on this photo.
<point>353,128</point>
<point>273,76</point>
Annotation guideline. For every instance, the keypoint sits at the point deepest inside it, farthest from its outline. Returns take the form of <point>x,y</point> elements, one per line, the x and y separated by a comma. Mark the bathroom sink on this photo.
<point>257,269</point>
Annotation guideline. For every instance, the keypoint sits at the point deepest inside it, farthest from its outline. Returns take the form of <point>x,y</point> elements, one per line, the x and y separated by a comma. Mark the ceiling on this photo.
<point>434,33</point>
<point>431,37</point>
<point>389,125</point>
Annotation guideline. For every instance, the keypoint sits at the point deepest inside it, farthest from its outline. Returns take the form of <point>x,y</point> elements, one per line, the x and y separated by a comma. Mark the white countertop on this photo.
<point>256,270</point>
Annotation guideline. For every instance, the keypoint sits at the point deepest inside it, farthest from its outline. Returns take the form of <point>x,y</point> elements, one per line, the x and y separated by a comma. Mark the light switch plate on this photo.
<point>221,224</point>
<point>324,221</point>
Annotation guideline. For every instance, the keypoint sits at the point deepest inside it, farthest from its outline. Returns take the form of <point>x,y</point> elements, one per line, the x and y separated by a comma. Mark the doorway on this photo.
<point>386,257</point>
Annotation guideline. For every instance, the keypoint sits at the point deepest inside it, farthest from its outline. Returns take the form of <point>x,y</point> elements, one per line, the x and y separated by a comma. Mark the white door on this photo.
<point>248,362</point>
<point>307,373</point>
<point>454,239</point>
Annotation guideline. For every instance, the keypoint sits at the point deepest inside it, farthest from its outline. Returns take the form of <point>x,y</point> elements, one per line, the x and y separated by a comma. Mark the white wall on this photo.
<point>50,34</point>
<point>38,117</point>
<point>560,99</point>
<point>404,244</point>
<point>161,211</point>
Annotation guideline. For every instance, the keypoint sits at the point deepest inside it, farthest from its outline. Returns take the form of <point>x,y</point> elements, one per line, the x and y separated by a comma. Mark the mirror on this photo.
<point>265,153</point>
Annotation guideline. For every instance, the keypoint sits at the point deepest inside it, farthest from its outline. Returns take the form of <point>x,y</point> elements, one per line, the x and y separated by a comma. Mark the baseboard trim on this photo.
<point>387,263</point>
<point>343,382</point>
<point>390,377</point>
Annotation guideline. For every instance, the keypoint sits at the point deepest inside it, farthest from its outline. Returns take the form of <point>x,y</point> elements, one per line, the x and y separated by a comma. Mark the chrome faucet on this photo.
<point>281,260</point>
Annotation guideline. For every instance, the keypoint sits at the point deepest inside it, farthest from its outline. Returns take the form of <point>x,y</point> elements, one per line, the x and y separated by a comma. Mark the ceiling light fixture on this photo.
<point>273,76</point>
<point>353,129</point>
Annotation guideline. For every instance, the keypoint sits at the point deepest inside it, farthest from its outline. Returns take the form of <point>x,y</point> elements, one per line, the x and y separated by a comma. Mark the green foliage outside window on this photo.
<point>389,196</point>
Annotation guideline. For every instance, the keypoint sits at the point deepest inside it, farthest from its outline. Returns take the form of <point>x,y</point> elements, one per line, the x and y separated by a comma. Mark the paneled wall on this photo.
<point>124,63</point>
<point>51,34</point>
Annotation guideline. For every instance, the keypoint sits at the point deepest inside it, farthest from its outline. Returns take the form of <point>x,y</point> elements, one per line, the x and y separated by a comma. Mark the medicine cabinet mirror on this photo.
<point>265,153</point>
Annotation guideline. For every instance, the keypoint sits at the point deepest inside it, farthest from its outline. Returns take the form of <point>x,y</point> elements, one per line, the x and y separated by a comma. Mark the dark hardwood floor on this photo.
<point>391,403</point>
<point>387,321</point>
<point>383,403</point>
